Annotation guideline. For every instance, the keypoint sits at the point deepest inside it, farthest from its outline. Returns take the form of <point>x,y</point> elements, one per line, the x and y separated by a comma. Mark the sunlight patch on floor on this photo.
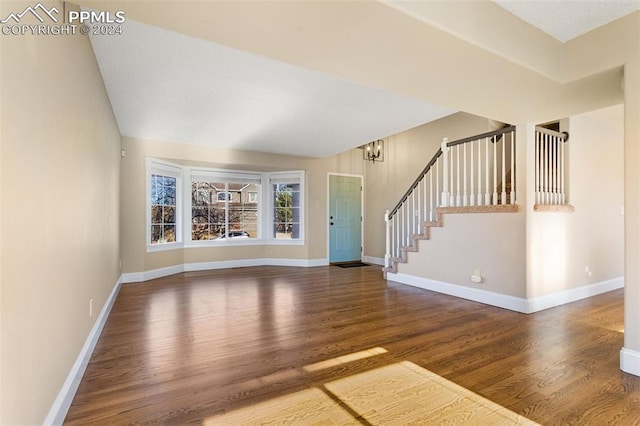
<point>344,359</point>
<point>398,394</point>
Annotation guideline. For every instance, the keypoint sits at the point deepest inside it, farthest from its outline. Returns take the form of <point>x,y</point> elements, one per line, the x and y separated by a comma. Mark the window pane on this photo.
<point>156,233</point>
<point>169,214</point>
<point>169,233</point>
<point>217,203</point>
<point>156,214</point>
<point>163,209</point>
<point>243,212</point>
<point>286,210</point>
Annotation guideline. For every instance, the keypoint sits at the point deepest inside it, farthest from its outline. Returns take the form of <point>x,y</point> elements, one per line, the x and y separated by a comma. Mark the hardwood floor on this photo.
<point>181,349</point>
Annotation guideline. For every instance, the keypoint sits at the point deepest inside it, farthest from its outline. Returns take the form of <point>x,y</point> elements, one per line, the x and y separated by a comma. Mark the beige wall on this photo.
<point>136,259</point>
<point>562,245</point>
<point>406,155</point>
<point>491,243</point>
<point>60,189</point>
<point>530,254</point>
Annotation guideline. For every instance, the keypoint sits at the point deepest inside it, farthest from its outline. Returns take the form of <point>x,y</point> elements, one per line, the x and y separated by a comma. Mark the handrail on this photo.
<point>482,136</point>
<point>416,182</point>
<point>562,135</point>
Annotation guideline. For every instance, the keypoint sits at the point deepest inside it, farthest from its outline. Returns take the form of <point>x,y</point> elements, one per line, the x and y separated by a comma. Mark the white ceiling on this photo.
<point>169,86</point>
<point>172,87</point>
<point>567,19</point>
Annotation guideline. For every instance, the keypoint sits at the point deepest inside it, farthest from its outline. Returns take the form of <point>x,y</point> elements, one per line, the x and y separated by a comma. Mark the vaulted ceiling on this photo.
<point>176,85</point>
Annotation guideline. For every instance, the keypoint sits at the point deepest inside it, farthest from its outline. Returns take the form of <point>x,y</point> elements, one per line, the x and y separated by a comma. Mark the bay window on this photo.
<point>214,207</point>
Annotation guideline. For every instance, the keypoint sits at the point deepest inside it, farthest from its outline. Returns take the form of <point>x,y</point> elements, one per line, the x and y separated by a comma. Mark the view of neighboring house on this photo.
<point>147,164</point>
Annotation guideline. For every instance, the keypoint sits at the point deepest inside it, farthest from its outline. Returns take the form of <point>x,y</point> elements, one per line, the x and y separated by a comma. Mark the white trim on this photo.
<point>165,168</point>
<point>373,260</point>
<point>518,304</point>
<point>151,248</point>
<point>574,294</point>
<point>135,277</point>
<point>630,361</point>
<point>60,406</point>
<point>512,303</point>
<point>286,177</point>
<point>243,242</point>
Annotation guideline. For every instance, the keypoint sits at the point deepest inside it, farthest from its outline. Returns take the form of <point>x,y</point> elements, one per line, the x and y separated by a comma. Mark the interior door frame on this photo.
<point>361,177</point>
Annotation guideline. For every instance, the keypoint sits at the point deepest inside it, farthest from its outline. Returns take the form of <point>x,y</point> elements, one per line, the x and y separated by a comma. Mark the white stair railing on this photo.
<point>550,167</point>
<point>475,171</point>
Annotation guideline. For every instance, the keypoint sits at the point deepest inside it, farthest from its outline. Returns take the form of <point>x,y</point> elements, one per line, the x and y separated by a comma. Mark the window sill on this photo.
<point>151,248</point>
<point>243,242</point>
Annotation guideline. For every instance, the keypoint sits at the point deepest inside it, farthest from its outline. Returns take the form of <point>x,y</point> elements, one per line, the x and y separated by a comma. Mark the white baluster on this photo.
<point>545,168</point>
<point>452,198</point>
<point>398,244</point>
<point>553,169</point>
<point>479,172</point>
<point>387,246</point>
<point>413,212</point>
<point>495,170</point>
<point>438,182</point>
<point>472,199</point>
<point>537,167</point>
<point>465,196</point>
<point>562,196</point>
<point>503,194</point>
<point>445,173</point>
<point>398,228</point>
<point>431,194</point>
<point>407,229</point>
<point>458,199</point>
<point>425,216</point>
<point>513,168</point>
<point>487,196</point>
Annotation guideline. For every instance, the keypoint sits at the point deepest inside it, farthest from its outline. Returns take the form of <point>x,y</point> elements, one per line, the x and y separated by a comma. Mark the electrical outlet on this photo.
<point>476,277</point>
<point>587,271</point>
<point>90,308</point>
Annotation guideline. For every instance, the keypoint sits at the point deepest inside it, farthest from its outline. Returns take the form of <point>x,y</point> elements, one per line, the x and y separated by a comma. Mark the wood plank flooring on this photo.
<point>186,348</point>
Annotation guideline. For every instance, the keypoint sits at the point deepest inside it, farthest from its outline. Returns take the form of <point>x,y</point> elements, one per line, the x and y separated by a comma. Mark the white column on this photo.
<point>630,354</point>
<point>389,233</point>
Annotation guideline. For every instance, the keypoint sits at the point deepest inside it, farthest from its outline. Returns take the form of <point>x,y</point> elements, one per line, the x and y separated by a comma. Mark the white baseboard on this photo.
<point>630,361</point>
<point>567,296</point>
<point>518,304</point>
<point>60,406</point>
<point>512,303</point>
<point>373,260</point>
<point>134,277</point>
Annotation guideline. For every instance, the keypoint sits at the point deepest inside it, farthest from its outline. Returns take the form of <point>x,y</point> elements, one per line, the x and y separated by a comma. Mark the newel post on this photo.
<point>445,173</point>
<point>387,249</point>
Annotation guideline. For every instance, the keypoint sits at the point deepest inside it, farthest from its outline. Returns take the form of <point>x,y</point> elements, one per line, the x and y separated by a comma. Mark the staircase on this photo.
<point>470,175</point>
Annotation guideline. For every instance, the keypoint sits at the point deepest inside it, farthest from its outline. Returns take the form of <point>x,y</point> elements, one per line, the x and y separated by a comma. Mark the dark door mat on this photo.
<point>350,264</point>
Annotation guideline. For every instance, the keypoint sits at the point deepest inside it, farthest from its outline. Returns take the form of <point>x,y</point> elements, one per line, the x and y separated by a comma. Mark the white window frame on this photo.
<point>164,168</point>
<point>297,176</point>
<point>265,197</point>
<point>230,176</point>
